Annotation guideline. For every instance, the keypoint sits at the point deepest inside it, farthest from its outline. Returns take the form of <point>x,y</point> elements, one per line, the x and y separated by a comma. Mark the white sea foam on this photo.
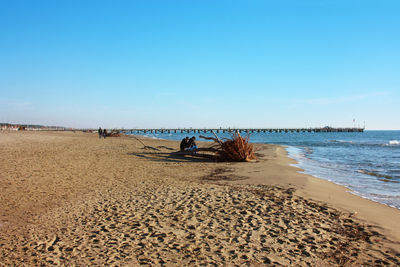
<point>341,141</point>
<point>394,142</point>
<point>151,137</point>
<point>154,137</point>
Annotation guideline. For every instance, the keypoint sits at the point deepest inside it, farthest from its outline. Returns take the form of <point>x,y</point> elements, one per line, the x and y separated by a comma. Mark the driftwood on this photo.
<point>194,154</point>
<point>113,133</point>
<point>237,148</point>
<point>165,147</point>
<point>144,146</point>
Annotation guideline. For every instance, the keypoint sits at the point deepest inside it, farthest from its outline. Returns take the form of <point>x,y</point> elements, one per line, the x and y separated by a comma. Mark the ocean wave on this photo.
<point>391,201</point>
<point>150,136</point>
<point>381,177</point>
<point>308,150</point>
<point>154,137</point>
<point>365,144</point>
<point>341,141</point>
<point>384,196</point>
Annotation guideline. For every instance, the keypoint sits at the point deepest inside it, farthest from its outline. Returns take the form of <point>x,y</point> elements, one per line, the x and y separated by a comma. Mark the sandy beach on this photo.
<point>70,198</point>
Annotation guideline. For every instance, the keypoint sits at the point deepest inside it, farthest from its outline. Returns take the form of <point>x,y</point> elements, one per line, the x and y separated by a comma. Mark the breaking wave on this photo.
<point>394,142</point>
<point>381,177</point>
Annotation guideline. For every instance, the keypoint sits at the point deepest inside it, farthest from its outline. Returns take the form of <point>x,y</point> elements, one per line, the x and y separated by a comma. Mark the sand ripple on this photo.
<point>200,224</point>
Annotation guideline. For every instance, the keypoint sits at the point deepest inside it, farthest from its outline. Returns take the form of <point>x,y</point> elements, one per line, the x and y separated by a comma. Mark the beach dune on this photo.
<point>70,198</point>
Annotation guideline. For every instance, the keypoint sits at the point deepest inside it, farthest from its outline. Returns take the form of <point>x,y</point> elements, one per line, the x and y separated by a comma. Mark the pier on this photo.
<point>241,130</point>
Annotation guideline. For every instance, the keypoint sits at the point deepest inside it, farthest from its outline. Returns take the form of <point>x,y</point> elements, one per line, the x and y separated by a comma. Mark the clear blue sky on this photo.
<point>200,63</point>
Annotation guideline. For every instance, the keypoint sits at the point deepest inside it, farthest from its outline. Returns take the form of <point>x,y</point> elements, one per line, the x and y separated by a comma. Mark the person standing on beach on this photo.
<point>100,131</point>
<point>104,133</point>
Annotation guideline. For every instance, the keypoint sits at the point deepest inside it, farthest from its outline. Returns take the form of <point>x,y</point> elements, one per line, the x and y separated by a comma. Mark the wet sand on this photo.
<point>74,199</point>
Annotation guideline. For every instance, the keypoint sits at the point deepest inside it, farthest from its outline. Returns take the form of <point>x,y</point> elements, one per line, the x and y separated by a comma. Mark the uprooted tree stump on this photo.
<point>113,133</point>
<point>237,148</point>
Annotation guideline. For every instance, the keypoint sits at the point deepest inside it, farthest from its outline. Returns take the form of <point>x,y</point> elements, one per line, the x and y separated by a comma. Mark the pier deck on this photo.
<point>241,130</point>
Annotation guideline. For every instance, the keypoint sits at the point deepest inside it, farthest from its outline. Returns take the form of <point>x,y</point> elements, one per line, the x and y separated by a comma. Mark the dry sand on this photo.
<point>74,199</point>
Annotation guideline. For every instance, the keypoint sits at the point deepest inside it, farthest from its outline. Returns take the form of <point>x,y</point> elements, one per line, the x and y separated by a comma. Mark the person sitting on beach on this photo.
<point>192,144</point>
<point>184,144</point>
<point>100,131</point>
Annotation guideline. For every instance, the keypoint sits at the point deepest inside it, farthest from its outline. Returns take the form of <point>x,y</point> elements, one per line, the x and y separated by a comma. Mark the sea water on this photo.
<point>368,163</point>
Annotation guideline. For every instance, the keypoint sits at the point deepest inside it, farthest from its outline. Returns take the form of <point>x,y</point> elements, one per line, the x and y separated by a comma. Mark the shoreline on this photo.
<point>346,188</point>
<point>319,189</point>
<point>384,217</point>
<point>73,198</point>
<point>296,164</point>
<point>376,214</point>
